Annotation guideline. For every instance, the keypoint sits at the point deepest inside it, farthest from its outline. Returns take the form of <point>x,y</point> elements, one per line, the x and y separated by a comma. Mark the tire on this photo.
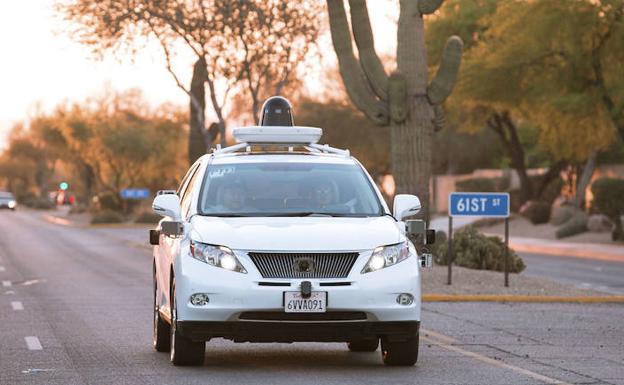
<point>161,335</point>
<point>400,353</point>
<point>183,351</point>
<point>363,345</point>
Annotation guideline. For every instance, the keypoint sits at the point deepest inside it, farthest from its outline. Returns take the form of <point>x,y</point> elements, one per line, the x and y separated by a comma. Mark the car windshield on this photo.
<point>288,189</point>
<point>6,195</point>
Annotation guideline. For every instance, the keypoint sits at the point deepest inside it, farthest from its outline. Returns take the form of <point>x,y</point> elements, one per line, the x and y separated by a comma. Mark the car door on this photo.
<point>169,246</point>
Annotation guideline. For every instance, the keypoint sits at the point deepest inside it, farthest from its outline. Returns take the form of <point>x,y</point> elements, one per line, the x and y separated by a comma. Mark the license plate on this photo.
<point>295,303</point>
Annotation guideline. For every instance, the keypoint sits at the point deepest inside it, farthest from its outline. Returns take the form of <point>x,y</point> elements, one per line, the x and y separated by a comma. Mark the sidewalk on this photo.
<point>587,250</point>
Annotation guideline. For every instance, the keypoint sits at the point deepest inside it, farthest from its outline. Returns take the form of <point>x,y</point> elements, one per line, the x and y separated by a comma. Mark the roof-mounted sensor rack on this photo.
<point>290,137</point>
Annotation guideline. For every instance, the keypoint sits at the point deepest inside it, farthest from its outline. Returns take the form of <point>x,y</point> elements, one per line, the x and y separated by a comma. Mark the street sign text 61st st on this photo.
<point>479,204</point>
<point>473,204</point>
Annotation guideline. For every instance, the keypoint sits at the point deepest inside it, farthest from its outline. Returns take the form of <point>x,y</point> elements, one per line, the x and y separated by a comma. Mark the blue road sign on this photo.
<point>479,204</point>
<point>135,193</point>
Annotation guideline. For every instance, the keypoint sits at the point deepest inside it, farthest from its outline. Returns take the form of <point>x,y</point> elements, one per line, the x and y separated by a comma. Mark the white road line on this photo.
<point>33,343</point>
<point>2,268</point>
<point>17,305</point>
<point>493,362</point>
<point>6,283</point>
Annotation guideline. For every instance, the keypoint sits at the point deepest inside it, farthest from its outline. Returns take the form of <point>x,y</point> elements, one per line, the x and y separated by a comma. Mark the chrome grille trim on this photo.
<point>282,264</point>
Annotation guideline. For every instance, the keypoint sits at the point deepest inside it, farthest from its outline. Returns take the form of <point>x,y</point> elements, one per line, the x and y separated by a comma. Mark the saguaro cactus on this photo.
<point>405,100</point>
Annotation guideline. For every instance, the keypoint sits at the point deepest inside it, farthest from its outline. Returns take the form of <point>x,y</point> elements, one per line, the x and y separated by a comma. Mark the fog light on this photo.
<point>200,299</point>
<point>405,299</point>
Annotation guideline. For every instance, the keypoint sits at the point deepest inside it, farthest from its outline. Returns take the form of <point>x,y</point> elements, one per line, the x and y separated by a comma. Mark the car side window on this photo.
<point>185,199</point>
<point>185,180</point>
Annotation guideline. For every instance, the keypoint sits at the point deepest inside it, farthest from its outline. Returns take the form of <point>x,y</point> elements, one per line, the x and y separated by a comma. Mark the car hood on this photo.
<point>296,233</point>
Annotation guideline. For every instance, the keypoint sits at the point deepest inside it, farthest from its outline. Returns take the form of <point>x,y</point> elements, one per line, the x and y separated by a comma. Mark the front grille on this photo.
<point>281,316</point>
<point>304,265</point>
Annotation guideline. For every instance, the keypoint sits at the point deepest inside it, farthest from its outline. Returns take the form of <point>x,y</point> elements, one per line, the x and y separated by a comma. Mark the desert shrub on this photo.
<point>575,225</point>
<point>147,217</point>
<point>609,200</point>
<point>106,216</point>
<point>474,250</point>
<point>537,212</point>
<point>38,203</point>
<point>109,201</point>
<point>562,214</point>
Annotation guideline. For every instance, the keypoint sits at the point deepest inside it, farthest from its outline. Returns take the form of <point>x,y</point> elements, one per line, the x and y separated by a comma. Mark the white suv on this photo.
<point>280,239</point>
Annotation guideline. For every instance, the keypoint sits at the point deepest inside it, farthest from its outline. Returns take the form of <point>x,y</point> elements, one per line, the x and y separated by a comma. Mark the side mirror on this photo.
<point>172,229</point>
<point>167,205</point>
<point>405,205</point>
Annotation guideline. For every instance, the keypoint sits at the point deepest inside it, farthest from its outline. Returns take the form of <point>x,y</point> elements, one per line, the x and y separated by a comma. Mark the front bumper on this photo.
<point>234,294</point>
<point>252,331</point>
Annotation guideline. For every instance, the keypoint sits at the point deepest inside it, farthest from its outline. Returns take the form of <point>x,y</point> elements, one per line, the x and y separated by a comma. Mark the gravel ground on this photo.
<point>469,281</point>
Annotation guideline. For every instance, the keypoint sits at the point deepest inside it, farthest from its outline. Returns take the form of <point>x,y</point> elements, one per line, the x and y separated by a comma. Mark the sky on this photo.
<point>42,66</point>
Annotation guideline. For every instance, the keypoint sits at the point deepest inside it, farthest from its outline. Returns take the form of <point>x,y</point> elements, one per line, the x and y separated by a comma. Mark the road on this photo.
<point>75,308</point>
<point>584,273</point>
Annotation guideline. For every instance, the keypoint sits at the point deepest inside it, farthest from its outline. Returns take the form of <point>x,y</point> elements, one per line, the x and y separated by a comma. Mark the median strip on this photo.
<point>520,298</point>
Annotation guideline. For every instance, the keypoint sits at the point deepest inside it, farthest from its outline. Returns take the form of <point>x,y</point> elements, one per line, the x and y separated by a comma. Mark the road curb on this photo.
<point>519,298</point>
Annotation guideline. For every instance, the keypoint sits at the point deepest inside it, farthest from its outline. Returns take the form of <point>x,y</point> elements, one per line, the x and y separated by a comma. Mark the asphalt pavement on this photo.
<point>586,273</point>
<point>75,308</point>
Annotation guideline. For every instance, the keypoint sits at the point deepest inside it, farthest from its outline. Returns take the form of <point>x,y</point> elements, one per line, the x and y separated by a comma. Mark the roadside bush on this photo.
<point>474,250</point>
<point>147,217</point>
<point>106,216</point>
<point>537,212</point>
<point>109,201</point>
<point>38,203</point>
<point>575,225</point>
<point>609,200</point>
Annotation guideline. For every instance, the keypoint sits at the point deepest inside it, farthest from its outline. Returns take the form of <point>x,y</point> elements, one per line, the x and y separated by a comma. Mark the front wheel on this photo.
<point>184,352</point>
<point>400,353</point>
<point>161,338</point>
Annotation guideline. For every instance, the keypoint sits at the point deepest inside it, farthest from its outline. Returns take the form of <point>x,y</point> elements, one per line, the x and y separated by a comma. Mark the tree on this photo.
<point>405,100</point>
<point>243,45</point>
<point>558,65</point>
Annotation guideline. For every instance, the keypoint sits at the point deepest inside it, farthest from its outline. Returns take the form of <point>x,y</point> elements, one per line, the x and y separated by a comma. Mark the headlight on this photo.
<point>218,256</point>
<point>12,204</point>
<point>385,256</point>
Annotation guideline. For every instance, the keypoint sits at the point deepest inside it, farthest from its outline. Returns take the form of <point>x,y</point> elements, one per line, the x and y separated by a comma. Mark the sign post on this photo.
<point>472,204</point>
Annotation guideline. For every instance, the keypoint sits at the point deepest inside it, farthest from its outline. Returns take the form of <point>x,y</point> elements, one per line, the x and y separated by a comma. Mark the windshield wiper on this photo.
<point>304,214</point>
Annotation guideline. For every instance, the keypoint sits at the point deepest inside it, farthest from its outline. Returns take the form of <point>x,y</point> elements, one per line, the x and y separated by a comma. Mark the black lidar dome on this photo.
<point>277,111</point>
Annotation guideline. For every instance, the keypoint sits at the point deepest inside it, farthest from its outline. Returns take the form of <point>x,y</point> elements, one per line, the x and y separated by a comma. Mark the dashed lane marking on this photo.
<point>445,343</point>
<point>17,305</point>
<point>33,343</point>
<point>2,268</point>
<point>6,283</point>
